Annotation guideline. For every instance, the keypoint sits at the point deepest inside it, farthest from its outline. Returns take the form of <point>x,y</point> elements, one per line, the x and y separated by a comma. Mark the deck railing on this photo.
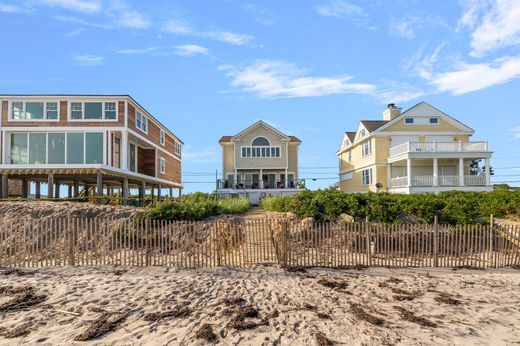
<point>438,147</point>
<point>443,180</point>
<point>241,184</point>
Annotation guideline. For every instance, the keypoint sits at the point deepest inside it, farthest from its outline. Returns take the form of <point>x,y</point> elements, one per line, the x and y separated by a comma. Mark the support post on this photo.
<point>56,190</point>
<point>368,241</point>
<point>69,192</point>
<point>388,176</point>
<point>76,186</point>
<point>461,171</point>
<point>5,186</point>
<point>436,241</point>
<point>159,193</point>
<point>99,184</point>
<point>125,191</point>
<point>152,192</point>
<point>50,186</point>
<point>487,172</point>
<point>37,190</point>
<point>171,192</point>
<point>409,171</point>
<point>180,192</point>
<point>435,172</point>
<point>25,183</point>
<point>142,193</point>
<point>124,150</point>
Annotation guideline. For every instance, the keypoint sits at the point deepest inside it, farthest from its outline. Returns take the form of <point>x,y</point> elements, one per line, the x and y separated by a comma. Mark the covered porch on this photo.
<point>437,174</point>
<point>260,179</point>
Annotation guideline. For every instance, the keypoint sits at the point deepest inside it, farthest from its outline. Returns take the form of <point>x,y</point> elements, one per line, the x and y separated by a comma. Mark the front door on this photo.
<point>133,158</point>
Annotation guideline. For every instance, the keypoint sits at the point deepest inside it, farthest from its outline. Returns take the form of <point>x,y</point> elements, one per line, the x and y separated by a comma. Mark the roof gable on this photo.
<point>424,109</point>
<point>259,123</point>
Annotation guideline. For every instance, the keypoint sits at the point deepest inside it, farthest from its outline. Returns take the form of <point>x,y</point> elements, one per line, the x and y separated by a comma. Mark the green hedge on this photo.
<point>451,207</point>
<point>193,207</point>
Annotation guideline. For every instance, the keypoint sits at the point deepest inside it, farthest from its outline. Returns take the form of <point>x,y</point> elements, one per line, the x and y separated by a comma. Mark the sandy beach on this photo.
<point>262,306</point>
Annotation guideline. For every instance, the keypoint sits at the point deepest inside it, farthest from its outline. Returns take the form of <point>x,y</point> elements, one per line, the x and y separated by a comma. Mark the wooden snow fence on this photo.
<point>242,243</point>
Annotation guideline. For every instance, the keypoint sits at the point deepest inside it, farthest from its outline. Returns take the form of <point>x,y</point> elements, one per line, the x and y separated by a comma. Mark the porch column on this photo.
<point>487,172</point>
<point>435,172</point>
<point>50,185</point>
<point>171,192</point>
<point>142,193</point>
<point>261,180</point>
<point>25,193</point>
<point>125,191</point>
<point>180,192</point>
<point>153,193</point>
<point>5,186</point>
<point>388,176</point>
<point>99,184</point>
<point>56,190</point>
<point>461,172</point>
<point>159,193</point>
<point>109,146</point>
<point>409,171</point>
<point>235,179</point>
<point>124,150</point>
<point>76,186</point>
<point>37,190</point>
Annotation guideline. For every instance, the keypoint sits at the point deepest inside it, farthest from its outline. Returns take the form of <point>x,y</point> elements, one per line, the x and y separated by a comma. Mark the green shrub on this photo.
<point>451,207</point>
<point>194,207</point>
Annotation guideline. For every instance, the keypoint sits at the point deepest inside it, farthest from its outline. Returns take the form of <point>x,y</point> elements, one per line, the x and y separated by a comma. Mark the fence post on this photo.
<point>491,235</point>
<point>146,242</point>
<point>436,241</point>
<point>368,245</point>
<point>284,243</point>
<point>71,241</point>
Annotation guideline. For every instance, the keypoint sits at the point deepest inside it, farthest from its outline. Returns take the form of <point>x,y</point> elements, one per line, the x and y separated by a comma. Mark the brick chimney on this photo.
<point>391,112</point>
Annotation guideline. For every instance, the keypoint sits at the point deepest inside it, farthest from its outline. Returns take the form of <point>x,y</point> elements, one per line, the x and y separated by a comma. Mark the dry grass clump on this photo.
<point>24,298</point>
<point>354,267</point>
<point>333,284</point>
<point>177,312</point>
<point>17,272</point>
<point>467,267</point>
<point>119,272</point>
<point>322,340</point>
<point>409,316</point>
<point>103,324</point>
<point>206,333</point>
<point>295,269</point>
<point>446,298</point>
<point>16,332</point>
<point>360,312</point>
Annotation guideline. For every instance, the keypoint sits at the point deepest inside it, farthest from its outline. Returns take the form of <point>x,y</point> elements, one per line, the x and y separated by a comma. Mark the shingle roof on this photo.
<point>351,135</point>
<point>225,139</point>
<point>372,125</point>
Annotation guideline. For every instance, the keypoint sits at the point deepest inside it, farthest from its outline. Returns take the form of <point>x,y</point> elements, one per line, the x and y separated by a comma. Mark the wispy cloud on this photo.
<point>180,26</point>
<point>87,6</point>
<point>516,132</point>
<point>495,24</point>
<point>260,14</point>
<point>276,79</point>
<point>408,25</point>
<point>89,60</point>
<point>200,155</point>
<point>76,20</point>
<point>126,17</point>
<point>9,8</point>
<point>184,50</point>
<point>340,9</point>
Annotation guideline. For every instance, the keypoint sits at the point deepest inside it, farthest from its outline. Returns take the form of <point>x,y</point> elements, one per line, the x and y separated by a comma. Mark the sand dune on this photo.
<point>280,308</point>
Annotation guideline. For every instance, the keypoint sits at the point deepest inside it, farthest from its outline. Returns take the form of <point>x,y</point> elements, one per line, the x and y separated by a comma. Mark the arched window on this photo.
<point>260,142</point>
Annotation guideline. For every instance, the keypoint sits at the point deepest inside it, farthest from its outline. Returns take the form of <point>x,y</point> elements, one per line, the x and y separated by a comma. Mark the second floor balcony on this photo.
<point>242,184</point>
<point>438,147</point>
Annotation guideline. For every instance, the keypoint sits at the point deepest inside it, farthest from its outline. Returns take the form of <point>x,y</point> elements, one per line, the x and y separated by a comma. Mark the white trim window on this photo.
<point>34,111</point>
<point>366,176</point>
<point>141,121</point>
<point>434,121</point>
<point>366,148</point>
<point>162,137</point>
<point>92,111</point>
<point>260,152</point>
<point>409,121</point>
<point>178,148</point>
<point>162,165</point>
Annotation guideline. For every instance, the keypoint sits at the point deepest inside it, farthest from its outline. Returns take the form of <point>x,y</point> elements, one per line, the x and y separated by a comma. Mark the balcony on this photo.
<point>259,184</point>
<point>443,180</point>
<point>438,147</point>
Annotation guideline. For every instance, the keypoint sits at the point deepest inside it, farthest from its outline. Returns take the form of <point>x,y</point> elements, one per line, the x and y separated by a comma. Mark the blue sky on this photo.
<point>311,68</point>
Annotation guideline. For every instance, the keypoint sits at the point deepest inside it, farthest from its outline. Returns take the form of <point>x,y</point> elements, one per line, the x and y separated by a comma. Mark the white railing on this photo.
<point>399,182</point>
<point>438,147</point>
<point>449,180</point>
<point>422,180</point>
<point>475,180</point>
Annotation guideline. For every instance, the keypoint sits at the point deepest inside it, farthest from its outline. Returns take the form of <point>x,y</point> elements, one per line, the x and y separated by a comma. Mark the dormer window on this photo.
<point>363,133</point>
<point>408,121</point>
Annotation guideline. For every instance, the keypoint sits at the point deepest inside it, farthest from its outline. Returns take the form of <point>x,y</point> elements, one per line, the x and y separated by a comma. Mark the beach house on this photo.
<point>419,150</point>
<point>259,161</point>
<point>93,144</point>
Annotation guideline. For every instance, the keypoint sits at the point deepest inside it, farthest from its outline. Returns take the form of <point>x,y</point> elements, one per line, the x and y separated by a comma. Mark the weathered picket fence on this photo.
<point>244,242</point>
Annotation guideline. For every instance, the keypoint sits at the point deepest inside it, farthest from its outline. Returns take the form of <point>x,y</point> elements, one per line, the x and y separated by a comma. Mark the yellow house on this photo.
<point>259,161</point>
<point>416,151</point>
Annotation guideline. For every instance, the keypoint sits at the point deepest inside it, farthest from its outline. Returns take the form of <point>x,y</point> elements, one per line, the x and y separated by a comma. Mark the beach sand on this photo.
<point>351,307</point>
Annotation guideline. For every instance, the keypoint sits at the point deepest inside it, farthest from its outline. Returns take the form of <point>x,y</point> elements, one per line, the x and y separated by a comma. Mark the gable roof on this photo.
<point>372,125</point>
<point>420,109</point>
<point>229,139</point>
<point>350,136</point>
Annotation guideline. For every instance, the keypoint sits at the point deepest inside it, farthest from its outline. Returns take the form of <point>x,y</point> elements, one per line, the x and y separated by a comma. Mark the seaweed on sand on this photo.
<point>104,324</point>
<point>409,316</point>
<point>360,313</point>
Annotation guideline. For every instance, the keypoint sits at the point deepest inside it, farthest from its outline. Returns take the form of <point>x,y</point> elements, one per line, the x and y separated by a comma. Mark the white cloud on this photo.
<point>88,6</point>
<point>201,155</point>
<point>340,9</point>
<point>495,24</point>
<point>184,50</point>
<point>89,60</point>
<point>401,28</point>
<point>8,8</point>
<point>466,77</point>
<point>70,19</point>
<point>180,26</point>
<point>516,133</point>
<point>275,79</point>
<point>127,17</point>
<point>408,25</point>
<point>260,15</point>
